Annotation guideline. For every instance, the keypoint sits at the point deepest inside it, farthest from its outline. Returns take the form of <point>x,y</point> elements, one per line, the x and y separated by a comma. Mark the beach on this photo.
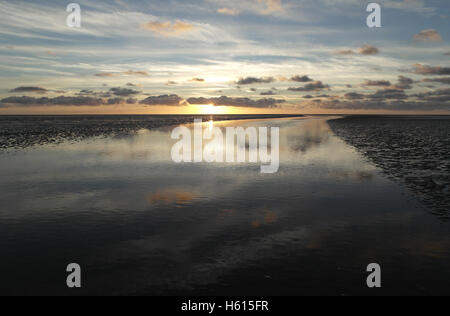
<point>140,224</point>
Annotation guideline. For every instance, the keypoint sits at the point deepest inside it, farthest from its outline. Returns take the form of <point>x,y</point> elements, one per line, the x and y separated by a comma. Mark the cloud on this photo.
<point>136,73</point>
<point>197,80</point>
<point>29,89</point>
<point>344,52</point>
<point>364,50</point>
<point>61,100</point>
<point>429,35</point>
<point>253,80</point>
<point>126,73</point>
<point>238,102</point>
<point>440,95</point>
<point>388,94</point>
<point>404,83</point>
<point>388,99</point>
<point>270,92</point>
<point>377,83</point>
<point>301,79</point>
<point>271,6</point>
<point>228,11</point>
<point>429,70</point>
<point>123,92</point>
<point>107,74</point>
<point>354,96</point>
<point>170,100</point>
<point>445,80</point>
<point>315,86</point>
<point>392,105</point>
<point>368,50</point>
<point>119,101</point>
<point>169,28</point>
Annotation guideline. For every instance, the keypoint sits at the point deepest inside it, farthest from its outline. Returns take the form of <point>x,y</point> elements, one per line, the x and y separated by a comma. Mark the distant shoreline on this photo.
<point>224,115</point>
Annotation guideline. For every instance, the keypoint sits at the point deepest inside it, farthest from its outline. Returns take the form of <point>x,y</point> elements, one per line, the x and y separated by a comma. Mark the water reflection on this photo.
<point>140,224</point>
<point>310,135</point>
<point>171,197</point>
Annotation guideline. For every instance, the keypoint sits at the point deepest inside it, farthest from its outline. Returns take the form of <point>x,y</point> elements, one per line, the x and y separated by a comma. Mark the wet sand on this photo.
<point>413,150</point>
<point>138,223</point>
<point>19,132</point>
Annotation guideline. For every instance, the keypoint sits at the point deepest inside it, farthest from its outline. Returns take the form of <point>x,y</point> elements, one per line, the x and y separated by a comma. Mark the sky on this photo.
<point>224,57</point>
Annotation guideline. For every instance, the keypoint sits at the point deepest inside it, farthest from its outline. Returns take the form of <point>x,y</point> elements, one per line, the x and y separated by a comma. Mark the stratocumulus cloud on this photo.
<point>377,83</point>
<point>368,50</point>
<point>315,86</point>
<point>61,100</point>
<point>301,79</point>
<point>430,70</point>
<point>238,102</point>
<point>170,100</point>
<point>123,92</point>
<point>430,35</point>
<point>254,80</point>
<point>445,80</point>
<point>29,89</point>
<point>123,73</point>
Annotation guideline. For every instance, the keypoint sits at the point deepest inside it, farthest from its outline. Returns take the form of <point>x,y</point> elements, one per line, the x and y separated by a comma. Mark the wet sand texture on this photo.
<point>414,150</point>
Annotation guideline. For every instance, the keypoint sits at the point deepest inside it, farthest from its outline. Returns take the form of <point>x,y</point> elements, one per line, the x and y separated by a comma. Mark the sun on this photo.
<point>212,109</point>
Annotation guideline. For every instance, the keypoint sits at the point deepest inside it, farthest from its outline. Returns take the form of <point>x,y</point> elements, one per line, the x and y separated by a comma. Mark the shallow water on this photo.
<point>138,223</point>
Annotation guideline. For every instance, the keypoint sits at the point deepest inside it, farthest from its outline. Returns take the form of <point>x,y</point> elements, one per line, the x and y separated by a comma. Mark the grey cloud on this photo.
<point>440,95</point>
<point>126,73</point>
<point>61,100</point>
<point>132,101</point>
<point>315,86</point>
<point>268,93</point>
<point>118,101</point>
<point>123,92</point>
<point>254,80</point>
<point>301,79</point>
<point>388,94</point>
<point>377,83</point>
<point>29,89</point>
<point>115,101</point>
<point>445,80</point>
<point>399,105</point>
<point>354,96</point>
<point>170,100</point>
<point>404,83</point>
<point>238,102</point>
<point>429,70</point>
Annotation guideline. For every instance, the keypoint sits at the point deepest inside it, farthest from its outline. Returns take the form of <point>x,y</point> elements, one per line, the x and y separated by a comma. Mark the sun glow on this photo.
<point>212,109</point>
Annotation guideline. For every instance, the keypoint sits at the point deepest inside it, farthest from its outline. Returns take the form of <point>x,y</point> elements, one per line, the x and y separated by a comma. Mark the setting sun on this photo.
<point>212,109</point>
